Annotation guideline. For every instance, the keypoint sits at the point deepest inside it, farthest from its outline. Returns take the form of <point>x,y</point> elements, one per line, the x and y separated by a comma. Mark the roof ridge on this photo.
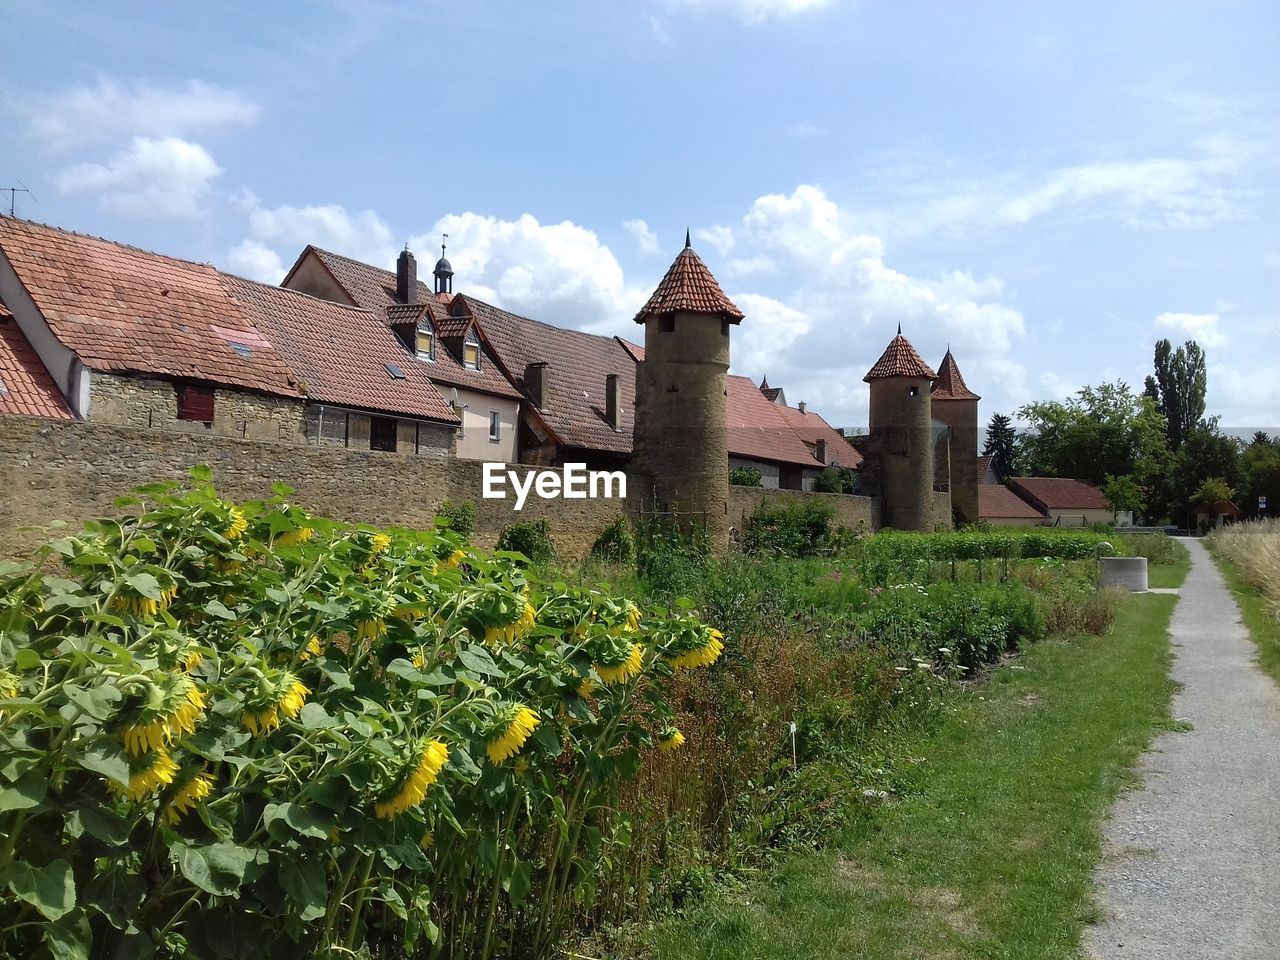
<point>689,286</point>
<point>115,243</point>
<point>276,288</point>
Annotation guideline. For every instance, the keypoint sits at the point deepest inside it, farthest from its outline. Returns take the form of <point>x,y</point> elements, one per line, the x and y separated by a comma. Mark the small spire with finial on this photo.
<point>899,328</point>
<point>688,243</point>
<point>444,237</point>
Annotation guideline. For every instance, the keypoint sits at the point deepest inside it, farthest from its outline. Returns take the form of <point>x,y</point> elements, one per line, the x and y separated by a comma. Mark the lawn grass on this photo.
<point>1170,574</point>
<point>1253,610</point>
<point>992,856</point>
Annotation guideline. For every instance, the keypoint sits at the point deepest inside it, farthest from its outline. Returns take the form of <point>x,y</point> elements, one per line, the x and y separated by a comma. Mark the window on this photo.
<point>426,341</point>
<point>333,425</point>
<point>382,434</point>
<point>471,351</point>
<point>195,403</point>
<point>495,425</point>
<point>667,323</point>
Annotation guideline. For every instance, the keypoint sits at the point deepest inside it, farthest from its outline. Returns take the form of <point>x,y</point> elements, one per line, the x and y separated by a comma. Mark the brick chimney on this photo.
<point>406,277</point>
<point>613,401</point>
<point>536,384</point>
<point>821,452</point>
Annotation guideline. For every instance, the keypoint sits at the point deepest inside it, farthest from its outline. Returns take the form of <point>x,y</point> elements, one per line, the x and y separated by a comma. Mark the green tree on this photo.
<point>1260,476</point>
<point>1178,388</point>
<point>1125,493</point>
<point>1212,490</point>
<point>1001,445</point>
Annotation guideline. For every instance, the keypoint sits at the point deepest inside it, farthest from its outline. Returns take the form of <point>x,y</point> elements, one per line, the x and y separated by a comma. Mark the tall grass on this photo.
<point>1254,549</point>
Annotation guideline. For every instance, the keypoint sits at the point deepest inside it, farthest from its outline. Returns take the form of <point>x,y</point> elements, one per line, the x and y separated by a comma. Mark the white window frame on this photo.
<point>471,340</point>
<point>495,426</point>
<point>428,327</point>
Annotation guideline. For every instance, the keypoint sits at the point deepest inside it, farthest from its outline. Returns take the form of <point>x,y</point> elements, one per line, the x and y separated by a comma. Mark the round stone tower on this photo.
<point>680,463</point>
<point>901,436</point>
<point>955,405</point>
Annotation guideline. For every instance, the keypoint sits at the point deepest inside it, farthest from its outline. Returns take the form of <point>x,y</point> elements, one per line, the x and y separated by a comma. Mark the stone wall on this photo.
<point>856,513</point>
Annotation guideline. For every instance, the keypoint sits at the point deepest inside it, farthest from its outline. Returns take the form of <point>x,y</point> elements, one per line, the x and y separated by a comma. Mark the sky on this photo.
<point>1047,188</point>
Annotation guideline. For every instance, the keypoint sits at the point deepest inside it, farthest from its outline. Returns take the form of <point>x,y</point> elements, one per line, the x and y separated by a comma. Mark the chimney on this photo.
<point>801,407</point>
<point>822,451</point>
<point>612,401</point>
<point>406,277</point>
<point>536,385</point>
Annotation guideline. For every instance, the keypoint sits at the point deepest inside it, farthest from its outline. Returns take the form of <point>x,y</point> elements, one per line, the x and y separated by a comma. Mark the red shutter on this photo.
<point>195,403</point>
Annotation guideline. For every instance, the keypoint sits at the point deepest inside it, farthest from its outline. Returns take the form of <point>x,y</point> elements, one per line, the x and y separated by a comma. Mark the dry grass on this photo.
<point>1254,549</point>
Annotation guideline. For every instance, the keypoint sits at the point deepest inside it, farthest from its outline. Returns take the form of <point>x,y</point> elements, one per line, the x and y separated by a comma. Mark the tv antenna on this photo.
<point>13,193</point>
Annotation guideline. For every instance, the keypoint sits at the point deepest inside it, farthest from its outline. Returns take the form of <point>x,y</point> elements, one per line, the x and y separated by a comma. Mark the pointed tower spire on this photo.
<point>688,243</point>
<point>900,360</point>
<point>689,287</point>
<point>950,384</point>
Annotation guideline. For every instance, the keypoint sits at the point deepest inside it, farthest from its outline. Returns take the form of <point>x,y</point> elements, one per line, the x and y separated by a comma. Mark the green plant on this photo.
<point>532,538</point>
<point>789,526</point>
<point>616,543</point>
<point>458,517</point>
<point>837,480</point>
<point>745,477</point>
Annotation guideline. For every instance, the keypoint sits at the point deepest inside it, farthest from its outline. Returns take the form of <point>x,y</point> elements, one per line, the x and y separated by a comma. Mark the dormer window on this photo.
<point>426,341</point>
<point>471,351</point>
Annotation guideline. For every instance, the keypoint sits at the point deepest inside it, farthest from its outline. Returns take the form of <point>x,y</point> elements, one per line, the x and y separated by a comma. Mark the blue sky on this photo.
<point>1047,187</point>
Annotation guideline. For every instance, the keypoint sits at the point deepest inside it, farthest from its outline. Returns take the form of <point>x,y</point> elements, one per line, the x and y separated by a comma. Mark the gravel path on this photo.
<point>1193,866</point>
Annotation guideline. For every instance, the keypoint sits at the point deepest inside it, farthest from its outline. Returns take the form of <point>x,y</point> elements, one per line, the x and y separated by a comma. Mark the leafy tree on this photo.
<point>746,477</point>
<point>1178,388</point>
<point>837,480</point>
<point>1205,453</point>
<point>1260,476</point>
<point>1260,437</point>
<point>1125,493</point>
<point>1212,490</point>
<point>1001,445</point>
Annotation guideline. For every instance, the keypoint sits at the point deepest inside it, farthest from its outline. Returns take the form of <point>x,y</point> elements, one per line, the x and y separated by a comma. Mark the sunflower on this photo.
<point>291,538</point>
<point>173,707</point>
<point>147,773</point>
<point>192,659</point>
<point>312,649</point>
<point>513,728</point>
<point>451,561</point>
<point>670,738</point>
<point>130,601</point>
<point>237,525</point>
<point>371,629</point>
<point>622,670</point>
<point>411,793</point>
<point>586,688</point>
<point>188,795</point>
<point>701,656</point>
<point>284,697</point>
<point>377,543</point>
<point>518,628</point>
<point>8,684</point>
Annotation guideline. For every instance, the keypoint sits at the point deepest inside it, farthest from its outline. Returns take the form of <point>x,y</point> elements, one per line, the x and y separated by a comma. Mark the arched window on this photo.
<point>426,341</point>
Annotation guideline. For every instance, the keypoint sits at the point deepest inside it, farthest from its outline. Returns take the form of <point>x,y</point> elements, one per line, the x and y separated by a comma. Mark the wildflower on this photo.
<point>238,525</point>
<point>180,704</point>
<point>420,779</point>
<point>518,628</point>
<point>451,561</point>
<point>147,774</point>
<point>8,684</point>
<point>371,629</point>
<point>312,649</point>
<point>670,738</point>
<point>702,656</point>
<point>517,722</point>
<point>622,670</point>
<point>291,538</point>
<point>198,788</point>
<point>285,697</point>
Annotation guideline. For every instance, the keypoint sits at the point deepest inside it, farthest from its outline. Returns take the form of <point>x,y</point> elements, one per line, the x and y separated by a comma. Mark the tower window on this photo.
<point>724,328</point>
<point>426,346</point>
<point>914,391</point>
<point>667,323</point>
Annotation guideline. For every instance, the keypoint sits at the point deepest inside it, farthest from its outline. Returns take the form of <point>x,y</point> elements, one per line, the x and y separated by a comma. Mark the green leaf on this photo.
<point>145,584</point>
<point>26,659</point>
<point>226,933</point>
<point>216,608</point>
<point>26,793</point>
<point>70,938</point>
<point>51,889</point>
<point>116,894</point>
<point>306,821</point>
<point>478,660</point>
<point>517,882</point>
<point>315,717</point>
<point>303,880</point>
<point>97,702</point>
<point>103,825</point>
<point>106,757</point>
<point>218,869</point>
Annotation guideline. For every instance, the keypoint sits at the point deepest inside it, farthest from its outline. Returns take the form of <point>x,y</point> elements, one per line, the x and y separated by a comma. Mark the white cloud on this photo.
<point>257,261</point>
<point>755,11</point>
<point>112,110</point>
<point>720,237</point>
<point>168,177</point>
<point>806,130</point>
<point>557,272</point>
<point>362,236</point>
<point>773,327</point>
<point>646,240</point>
<point>746,266</point>
<point>1201,327</point>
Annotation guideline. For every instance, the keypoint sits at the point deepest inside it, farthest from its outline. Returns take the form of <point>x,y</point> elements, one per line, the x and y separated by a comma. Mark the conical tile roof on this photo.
<point>689,286</point>
<point>950,384</point>
<point>900,360</point>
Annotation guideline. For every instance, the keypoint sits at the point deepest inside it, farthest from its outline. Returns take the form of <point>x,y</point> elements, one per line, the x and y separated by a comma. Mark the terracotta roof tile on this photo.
<point>984,467</point>
<point>689,286</point>
<point>636,351</point>
<point>758,430</point>
<point>771,393</point>
<point>341,353</point>
<point>900,360</point>
<point>375,289</point>
<point>1059,493</point>
<point>128,310</point>
<point>25,384</point>
<point>1000,503</point>
<point>811,427</point>
<point>950,384</point>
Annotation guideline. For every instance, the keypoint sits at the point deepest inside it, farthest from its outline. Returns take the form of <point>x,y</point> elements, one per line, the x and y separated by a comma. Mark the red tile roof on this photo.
<point>758,429</point>
<point>984,467</point>
<point>341,352</point>
<point>375,289</point>
<point>689,286</point>
<point>950,384</point>
<point>1059,493</point>
<point>810,428</point>
<point>577,365</point>
<point>636,351</point>
<point>900,360</point>
<point>1000,503</point>
<point>128,310</point>
<point>25,384</point>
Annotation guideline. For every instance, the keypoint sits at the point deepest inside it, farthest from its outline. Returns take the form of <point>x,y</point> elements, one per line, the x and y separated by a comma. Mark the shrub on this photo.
<point>837,480</point>
<point>458,517</point>
<point>532,538</point>
<point>791,527</point>
<point>745,477</point>
<point>616,543</point>
<point>1156,547</point>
